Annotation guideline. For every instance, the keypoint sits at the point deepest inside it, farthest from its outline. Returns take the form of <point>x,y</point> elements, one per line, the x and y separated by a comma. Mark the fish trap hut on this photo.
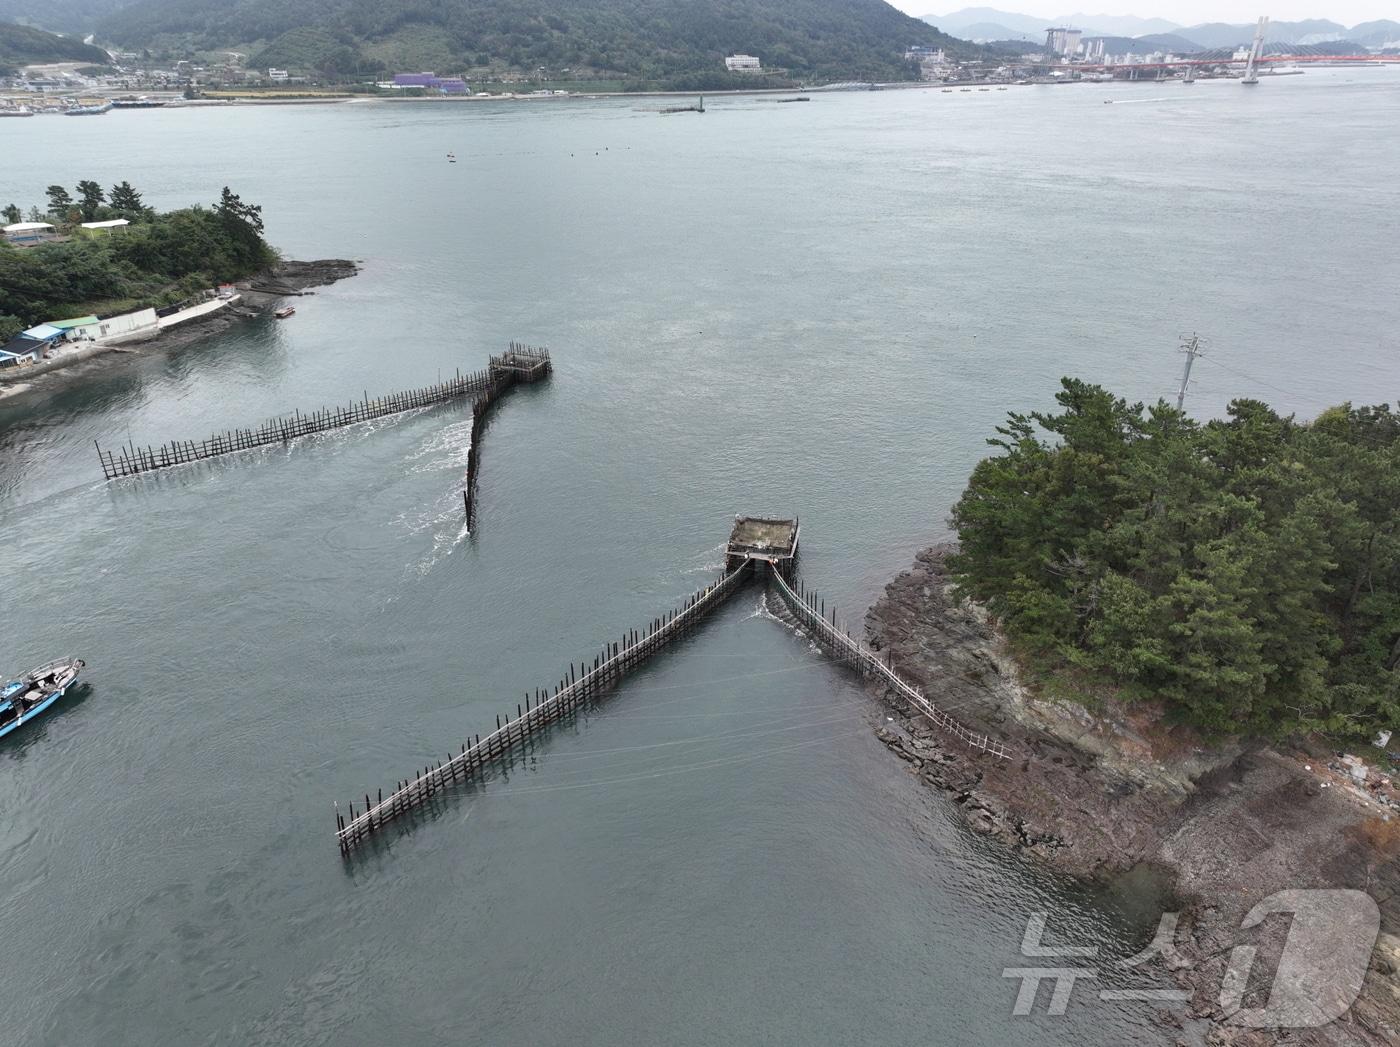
<point>761,538</point>
<point>521,362</point>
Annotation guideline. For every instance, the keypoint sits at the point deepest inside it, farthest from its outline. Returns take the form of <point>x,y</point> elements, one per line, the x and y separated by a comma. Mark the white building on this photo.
<point>278,76</point>
<point>742,64</point>
<point>1063,40</point>
<point>128,327</point>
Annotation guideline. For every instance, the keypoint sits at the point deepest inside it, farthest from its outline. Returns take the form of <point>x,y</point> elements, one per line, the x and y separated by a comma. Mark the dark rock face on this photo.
<point>1097,795</point>
<point>300,275</point>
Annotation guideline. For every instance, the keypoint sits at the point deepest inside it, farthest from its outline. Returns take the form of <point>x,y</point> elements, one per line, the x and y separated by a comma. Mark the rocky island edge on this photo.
<point>1098,793</point>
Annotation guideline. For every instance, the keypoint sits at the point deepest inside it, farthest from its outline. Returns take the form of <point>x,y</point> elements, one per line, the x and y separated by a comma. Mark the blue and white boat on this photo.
<point>31,695</point>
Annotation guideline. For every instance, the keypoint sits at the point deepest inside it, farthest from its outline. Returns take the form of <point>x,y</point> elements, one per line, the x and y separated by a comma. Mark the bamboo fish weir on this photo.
<point>520,363</point>
<point>756,545</point>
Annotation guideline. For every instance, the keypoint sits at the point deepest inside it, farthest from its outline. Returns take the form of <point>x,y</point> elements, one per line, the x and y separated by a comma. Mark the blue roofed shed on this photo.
<point>44,333</point>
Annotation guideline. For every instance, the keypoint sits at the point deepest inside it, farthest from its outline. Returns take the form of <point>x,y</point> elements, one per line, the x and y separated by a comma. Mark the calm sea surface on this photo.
<point>819,309</point>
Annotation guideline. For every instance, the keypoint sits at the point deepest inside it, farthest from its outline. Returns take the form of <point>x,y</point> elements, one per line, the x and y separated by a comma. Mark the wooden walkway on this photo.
<point>811,611</point>
<point>581,687</point>
<point>519,363</point>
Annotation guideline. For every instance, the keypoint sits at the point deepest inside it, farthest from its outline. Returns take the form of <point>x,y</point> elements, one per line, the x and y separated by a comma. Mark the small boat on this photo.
<point>799,98</point>
<point>23,699</point>
<point>285,312</point>
<point>89,107</point>
<point>21,111</point>
<point>947,90</point>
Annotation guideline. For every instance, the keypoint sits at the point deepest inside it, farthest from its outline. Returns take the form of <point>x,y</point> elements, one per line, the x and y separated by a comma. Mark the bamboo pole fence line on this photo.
<point>810,609</point>
<point>519,363</point>
<point>132,460</point>
<point>580,687</point>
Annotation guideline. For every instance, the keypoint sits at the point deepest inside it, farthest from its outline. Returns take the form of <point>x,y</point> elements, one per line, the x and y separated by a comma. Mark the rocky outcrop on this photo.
<point>1097,793</point>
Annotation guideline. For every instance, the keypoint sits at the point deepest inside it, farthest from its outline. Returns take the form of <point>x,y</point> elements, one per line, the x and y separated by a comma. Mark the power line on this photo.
<point>1269,385</point>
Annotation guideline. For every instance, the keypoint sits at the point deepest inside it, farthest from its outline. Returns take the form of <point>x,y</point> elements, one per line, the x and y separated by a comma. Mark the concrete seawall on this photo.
<point>194,312</point>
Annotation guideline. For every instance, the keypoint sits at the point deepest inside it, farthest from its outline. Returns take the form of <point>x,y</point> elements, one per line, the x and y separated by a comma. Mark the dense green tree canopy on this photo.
<point>1246,570</point>
<point>156,260</point>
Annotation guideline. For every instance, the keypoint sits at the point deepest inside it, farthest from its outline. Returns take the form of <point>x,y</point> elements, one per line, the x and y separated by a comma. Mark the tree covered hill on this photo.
<point>59,16</point>
<point>649,40</point>
<point>1243,573</point>
<point>21,45</point>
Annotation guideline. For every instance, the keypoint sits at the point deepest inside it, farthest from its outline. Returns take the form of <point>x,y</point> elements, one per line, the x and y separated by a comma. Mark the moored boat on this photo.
<point>33,693</point>
<point>89,107</point>
<point>284,312</point>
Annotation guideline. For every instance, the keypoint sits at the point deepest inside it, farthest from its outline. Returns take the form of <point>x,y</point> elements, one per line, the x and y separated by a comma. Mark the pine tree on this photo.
<point>59,200</point>
<point>127,201</point>
<point>91,198</point>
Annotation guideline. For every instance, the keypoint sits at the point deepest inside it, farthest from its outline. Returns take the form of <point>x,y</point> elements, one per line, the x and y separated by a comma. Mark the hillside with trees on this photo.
<point>1242,573</point>
<point>21,45</point>
<point>75,17</point>
<point>156,260</point>
<point>677,42</point>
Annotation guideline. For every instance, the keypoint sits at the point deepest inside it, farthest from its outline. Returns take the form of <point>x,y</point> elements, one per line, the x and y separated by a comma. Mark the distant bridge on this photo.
<point>1196,62</point>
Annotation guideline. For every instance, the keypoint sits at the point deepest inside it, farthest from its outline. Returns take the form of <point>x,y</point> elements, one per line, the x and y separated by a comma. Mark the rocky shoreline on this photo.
<point>1097,794</point>
<point>261,294</point>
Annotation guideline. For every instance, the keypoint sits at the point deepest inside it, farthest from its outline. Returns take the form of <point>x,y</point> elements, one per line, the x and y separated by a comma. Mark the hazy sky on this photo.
<point>1186,12</point>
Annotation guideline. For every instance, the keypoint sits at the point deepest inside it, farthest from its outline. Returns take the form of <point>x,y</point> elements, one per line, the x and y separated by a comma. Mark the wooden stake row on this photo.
<point>520,363</point>
<point>581,686</point>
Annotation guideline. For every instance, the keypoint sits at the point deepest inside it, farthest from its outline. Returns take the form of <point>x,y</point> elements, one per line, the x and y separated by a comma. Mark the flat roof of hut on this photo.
<point>762,538</point>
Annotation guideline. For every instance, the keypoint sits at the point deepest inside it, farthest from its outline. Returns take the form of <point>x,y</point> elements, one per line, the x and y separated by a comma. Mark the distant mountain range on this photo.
<point>987,23</point>
<point>677,43</point>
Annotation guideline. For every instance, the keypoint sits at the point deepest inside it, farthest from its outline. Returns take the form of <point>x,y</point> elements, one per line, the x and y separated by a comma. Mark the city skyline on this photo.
<point>1190,12</point>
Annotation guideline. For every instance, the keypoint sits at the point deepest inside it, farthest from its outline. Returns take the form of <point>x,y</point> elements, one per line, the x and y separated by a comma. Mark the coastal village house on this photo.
<point>448,85</point>
<point>29,233</point>
<point>743,64</point>
<point>29,346</point>
<point>80,328</point>
<point>126,327</point>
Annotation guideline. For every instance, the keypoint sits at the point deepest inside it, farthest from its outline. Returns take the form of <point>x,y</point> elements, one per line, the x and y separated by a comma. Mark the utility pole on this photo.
<point>1192,348</point>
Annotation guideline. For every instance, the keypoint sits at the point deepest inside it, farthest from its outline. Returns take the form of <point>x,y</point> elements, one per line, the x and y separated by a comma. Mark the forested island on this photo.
<point>1242,572</point>
<point>1187,634</point>
<point>153,261</point>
